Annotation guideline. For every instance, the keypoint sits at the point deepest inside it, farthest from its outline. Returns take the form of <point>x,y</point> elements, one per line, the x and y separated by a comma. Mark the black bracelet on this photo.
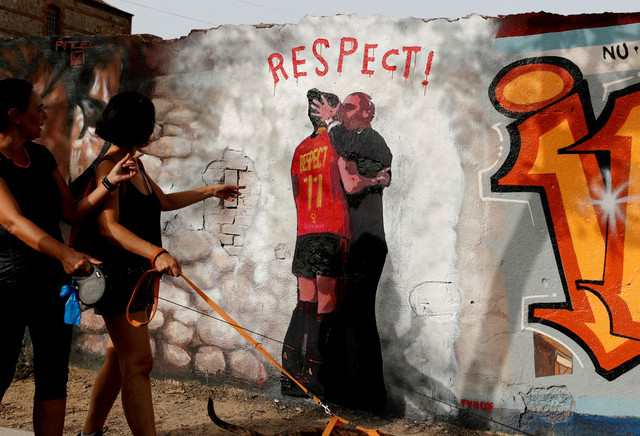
<point>107,184</point>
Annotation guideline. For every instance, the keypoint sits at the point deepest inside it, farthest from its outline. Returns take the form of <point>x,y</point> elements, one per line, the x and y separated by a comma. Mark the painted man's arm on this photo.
<point>354,182</point>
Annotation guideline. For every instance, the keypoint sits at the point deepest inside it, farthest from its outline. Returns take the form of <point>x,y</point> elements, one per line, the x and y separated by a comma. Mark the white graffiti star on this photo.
<point>609,201</point>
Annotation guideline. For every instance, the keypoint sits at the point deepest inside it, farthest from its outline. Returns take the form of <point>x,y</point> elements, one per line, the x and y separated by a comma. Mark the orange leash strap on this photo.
<point>333,422</point>
<point>336,421</point>
<point>156,289</point>
<point>245,335</point>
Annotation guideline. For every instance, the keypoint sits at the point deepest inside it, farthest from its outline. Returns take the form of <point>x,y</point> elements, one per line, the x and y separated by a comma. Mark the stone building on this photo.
<point>20,18</point>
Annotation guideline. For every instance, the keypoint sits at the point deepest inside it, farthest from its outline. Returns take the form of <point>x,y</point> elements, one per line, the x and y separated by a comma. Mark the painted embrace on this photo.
<point>338,175</point>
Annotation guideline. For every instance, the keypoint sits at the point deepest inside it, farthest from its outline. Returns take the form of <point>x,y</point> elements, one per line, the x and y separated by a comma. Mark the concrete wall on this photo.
<point>511,218</point>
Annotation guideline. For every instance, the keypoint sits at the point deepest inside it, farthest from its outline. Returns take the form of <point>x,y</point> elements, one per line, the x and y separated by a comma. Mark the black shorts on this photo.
<point>319,254</point>
<point>122,281</point>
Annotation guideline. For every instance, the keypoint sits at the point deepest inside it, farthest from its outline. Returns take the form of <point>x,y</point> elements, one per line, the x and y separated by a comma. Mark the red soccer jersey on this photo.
<point>318,192</point>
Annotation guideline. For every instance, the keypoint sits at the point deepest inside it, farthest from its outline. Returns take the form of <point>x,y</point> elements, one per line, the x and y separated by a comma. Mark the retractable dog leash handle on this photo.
<point>92,287</point>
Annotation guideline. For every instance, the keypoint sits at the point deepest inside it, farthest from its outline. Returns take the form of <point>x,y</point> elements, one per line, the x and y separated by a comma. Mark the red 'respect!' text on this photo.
<point>406,57</point>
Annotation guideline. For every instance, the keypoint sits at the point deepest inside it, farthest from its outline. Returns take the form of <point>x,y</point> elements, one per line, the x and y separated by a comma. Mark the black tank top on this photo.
<point>34,188</point>
<point>139,213</point>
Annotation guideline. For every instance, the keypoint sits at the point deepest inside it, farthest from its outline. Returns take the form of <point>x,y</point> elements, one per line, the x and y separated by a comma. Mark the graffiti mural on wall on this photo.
<point>76,77</point>
<point>584,169</point>
<point>338,174</point>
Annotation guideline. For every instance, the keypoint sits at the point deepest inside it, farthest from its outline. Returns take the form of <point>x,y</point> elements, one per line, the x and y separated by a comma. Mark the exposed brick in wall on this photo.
<point>233,169</point>
<point>20,18</point>
<point>15,23</point>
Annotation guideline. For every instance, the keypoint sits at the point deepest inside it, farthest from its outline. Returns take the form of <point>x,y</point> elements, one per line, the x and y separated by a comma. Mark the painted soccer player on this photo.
<point>319,258</point>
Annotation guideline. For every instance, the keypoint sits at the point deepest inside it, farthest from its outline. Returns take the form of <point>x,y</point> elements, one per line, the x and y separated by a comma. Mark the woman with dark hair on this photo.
<point>130,232</point>
<point>34,262</point>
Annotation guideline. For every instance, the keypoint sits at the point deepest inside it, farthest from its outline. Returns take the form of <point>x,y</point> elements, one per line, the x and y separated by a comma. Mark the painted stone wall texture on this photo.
<point>510,206</point>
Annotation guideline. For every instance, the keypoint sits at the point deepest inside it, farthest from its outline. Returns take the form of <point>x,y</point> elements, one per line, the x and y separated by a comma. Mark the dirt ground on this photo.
<point>181,410</point>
